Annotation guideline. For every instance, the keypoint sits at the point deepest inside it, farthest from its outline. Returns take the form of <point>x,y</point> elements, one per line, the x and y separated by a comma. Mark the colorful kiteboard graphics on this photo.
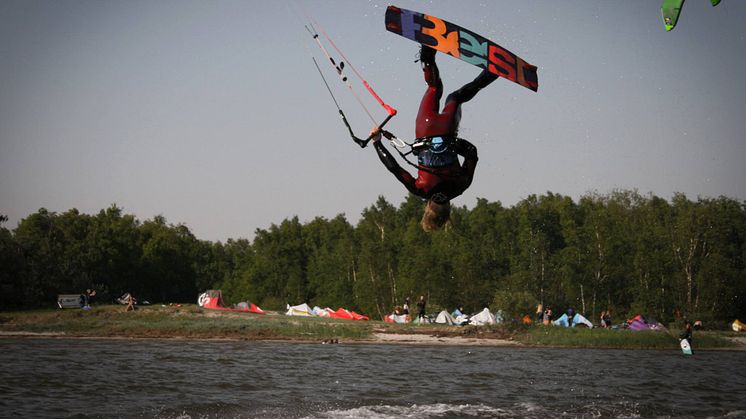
<point>461,43</point>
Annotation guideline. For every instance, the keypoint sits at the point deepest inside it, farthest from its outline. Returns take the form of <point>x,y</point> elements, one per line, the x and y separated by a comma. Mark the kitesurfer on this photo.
<point>686,334</point>
<point>440,176</point>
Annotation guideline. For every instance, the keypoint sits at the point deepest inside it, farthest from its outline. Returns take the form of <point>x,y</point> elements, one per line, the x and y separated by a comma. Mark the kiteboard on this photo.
<point>461,43</point>
<point>686,348</point>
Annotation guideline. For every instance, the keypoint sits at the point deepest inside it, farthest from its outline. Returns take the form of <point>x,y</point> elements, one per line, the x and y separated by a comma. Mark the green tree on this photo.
<point>380,245</point>
<point>12,269</point>
<point>331,249</point>
<point>167,256</point>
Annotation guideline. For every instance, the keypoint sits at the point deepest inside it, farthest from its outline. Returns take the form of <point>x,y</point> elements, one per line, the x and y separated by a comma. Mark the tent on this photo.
<point>461,318</point>
<point>483,317</point>
<point>69,301</point>
<point>576,320</point>
<point>299,310</point>
<point>213,300</point>
<point>124,300</point>
<point>358,316</point>
<point>738,326</point>
<point>345,314</point>
<point>639,322</point>
<point>322,312</point>
<point>396,318</point>
<point>444,318</point>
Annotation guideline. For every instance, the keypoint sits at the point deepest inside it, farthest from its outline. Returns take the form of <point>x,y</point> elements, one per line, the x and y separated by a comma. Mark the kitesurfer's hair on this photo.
<point>436,215</point>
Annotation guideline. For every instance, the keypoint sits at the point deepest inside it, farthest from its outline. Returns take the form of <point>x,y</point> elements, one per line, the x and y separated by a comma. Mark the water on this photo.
<point>209,379</point>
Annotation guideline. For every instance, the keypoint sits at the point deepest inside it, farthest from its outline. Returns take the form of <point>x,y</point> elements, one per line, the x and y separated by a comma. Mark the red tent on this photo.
<point>213,299</point>
<point>341,313</point>
<point>358,316</point>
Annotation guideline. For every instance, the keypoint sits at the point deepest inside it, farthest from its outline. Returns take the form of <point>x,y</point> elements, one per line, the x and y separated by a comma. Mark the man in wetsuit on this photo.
<point>440,177</point>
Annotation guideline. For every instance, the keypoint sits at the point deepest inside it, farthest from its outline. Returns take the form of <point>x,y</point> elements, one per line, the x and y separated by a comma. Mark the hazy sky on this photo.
<point>212,113</point>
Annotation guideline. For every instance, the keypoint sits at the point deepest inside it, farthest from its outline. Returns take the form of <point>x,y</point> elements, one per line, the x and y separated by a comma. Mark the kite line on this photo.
<point>339,68</point>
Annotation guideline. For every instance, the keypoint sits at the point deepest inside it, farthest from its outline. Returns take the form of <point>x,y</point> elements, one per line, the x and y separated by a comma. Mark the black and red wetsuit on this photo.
<point>449,181</point>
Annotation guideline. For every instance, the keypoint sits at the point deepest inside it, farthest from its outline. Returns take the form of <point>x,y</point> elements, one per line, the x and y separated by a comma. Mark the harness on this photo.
<point>431,151</point>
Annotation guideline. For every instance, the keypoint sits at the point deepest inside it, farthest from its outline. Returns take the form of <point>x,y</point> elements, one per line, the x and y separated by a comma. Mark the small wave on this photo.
<point>417,411</point>
<point>521,409</point>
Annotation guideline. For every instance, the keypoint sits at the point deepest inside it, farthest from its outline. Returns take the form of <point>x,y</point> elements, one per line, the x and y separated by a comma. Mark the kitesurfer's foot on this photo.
<point>484,79</point>
<point>427,55</point>
<point>427,60</point>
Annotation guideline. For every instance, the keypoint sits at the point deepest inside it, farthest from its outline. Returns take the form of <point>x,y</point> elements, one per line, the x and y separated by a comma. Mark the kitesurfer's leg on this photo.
<point>466,93</point>
<point>431,99</point>
<point>469,90</point>
<point>430,69</point>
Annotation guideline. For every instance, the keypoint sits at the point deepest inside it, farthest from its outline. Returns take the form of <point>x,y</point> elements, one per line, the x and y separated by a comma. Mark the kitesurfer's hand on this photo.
<point>375,134</point>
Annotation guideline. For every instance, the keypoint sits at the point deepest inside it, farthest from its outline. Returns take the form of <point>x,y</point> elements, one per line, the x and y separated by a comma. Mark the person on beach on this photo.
<point>130,303</point>
<point>440,177</point>
<point>570,315</point>
<point>85,299</point>
<point>421,309</point>
<point>547,316</point>
<point>405,308</point>
<point>606,319</point>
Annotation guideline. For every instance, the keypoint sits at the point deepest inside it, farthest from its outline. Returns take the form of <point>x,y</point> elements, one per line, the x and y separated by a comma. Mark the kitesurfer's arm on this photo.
<point>390,162</point>
<point>469,152</point>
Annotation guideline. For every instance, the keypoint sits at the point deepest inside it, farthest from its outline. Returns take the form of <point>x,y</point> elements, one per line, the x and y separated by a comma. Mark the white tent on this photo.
<point>299,310</point>
<point>483,317</point>
<point>445,318</point>
<point>322,312</point>
<point>394,318</point>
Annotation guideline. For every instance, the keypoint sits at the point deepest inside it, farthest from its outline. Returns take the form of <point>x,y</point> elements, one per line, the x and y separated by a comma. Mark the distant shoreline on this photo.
<point>191,323</point>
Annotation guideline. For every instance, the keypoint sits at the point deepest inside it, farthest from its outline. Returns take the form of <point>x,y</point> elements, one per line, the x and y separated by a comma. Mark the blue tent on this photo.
<point>577,319</point>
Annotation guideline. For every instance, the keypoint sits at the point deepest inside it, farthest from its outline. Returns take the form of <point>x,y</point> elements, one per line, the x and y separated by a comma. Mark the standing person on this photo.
<point>547,316</point>
<point>440,177</point>
<point>539,313</point>
<point>606,318</point>
<point>85,299</point>
<point>405,309</point>
<point>421,308</point>
<point>130,303</point>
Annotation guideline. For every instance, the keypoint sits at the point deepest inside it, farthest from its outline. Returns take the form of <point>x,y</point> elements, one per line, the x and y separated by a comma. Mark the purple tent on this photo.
<point>640,323</point>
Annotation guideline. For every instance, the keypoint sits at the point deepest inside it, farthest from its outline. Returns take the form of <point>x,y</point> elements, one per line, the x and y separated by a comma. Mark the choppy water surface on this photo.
<point>196,379</point>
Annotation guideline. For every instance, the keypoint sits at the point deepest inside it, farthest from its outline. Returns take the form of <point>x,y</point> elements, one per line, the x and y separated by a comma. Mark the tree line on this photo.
<point>623,251</point>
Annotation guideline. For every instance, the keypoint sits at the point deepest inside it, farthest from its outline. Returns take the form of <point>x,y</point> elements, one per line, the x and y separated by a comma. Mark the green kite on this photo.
<point>670,10</point>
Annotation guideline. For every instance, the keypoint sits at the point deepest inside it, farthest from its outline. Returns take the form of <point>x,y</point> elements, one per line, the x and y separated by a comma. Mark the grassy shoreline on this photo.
<point>192,322</point>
